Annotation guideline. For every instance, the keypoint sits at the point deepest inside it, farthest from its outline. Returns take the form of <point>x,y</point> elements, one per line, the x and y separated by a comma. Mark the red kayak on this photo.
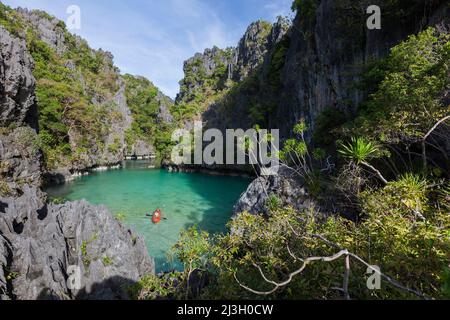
<point>156,218</point>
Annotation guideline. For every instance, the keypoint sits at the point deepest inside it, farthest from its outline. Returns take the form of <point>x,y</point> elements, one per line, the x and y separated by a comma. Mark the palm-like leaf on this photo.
<point>359,150</point>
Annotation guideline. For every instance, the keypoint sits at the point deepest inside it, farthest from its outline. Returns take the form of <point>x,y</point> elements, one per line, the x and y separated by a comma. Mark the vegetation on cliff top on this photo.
<point>75,90</point>
<point>144,101</point>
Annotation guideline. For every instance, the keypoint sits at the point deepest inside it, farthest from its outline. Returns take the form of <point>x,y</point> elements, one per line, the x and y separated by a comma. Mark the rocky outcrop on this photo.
<point>142,148</point>
<point>165,104</point>
<point>48,242</point>
<point>258,40</point>
<point>49,28</point>
<point>205,75</point>
<point>20,158</point>
<point>287,188</point>
<point>16,83</point>
<point>42,244</point>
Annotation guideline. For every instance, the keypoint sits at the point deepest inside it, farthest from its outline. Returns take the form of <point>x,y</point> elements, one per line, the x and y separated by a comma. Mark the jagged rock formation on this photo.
<point>20,158</point>
<point>287,187</point>
<point>210,76</point>
<point>49,28</point>
<point>38,241</point>
<point>17,82</point>
<point>166,104</point>
<point>43,241</point>
<point>205,77</point>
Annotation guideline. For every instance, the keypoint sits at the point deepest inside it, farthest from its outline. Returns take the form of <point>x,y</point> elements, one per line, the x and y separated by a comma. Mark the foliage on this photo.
<point>120,217</point>
<point>446,283</point>
<point>10,20</point>
<point>408,100</point>
<point>412,250</point>
<point>5,190</point>
<point>192,249</point>
<point>305,8</point>
<point>359,150</point>
<point>329,121</point>
<point>152,287</point>
<point>107,261</point>
<point>273,202</point>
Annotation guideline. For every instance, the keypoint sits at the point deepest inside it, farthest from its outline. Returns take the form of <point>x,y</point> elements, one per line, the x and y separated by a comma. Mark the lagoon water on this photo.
<point>185,199</point>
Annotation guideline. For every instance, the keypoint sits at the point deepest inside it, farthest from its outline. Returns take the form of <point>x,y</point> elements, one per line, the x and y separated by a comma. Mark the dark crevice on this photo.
<point>7,268</point>
<point>3,207</point>
<point>42,213</point>
<point>18,226</point>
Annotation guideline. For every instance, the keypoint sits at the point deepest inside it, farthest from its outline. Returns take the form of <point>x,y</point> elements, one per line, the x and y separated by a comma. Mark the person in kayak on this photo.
<point>157,215</point>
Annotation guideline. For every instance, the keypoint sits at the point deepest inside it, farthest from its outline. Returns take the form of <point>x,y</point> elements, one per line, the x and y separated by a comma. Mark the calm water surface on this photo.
<point>185,199</point>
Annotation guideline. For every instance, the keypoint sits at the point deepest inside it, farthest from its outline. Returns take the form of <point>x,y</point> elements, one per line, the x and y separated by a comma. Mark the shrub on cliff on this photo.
<point>409,99</point>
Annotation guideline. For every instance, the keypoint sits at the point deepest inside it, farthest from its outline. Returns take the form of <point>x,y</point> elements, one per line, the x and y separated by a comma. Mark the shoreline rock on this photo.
<point>286,186</point>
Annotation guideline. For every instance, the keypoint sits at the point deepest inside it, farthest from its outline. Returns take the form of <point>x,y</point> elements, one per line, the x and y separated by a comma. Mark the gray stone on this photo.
<point>17,98</point>
<point>48,30</point>
<point>287,186</point>
<point>47,239</point>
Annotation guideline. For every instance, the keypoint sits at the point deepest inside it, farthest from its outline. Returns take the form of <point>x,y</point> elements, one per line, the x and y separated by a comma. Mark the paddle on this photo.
<point>151,215</point>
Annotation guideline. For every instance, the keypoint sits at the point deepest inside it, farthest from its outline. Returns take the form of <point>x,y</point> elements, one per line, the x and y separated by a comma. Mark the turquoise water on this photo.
<point>185,199</point>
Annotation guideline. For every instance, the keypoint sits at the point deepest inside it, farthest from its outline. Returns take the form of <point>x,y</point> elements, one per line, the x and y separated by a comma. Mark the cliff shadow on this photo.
<point>114,288</point>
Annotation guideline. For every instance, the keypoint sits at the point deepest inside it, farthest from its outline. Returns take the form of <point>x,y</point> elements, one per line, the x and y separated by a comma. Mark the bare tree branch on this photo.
<point>424,146</point>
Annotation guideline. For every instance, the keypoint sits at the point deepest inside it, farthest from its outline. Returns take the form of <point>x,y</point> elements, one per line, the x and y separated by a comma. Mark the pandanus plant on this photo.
<point>360,152</point>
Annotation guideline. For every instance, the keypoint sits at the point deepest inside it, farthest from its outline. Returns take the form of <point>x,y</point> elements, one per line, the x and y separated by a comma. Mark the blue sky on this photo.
<point>153,37</point>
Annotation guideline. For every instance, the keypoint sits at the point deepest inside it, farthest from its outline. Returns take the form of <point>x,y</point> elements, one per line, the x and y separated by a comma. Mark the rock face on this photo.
<point>287,187</point>
<point>205,74</point>
<point>20,159</point>
<point>328,52</point>
<point>142,148</point>
<point>42,244</point>
<point>253,47</point>
<point>165,102</point>
<point>16,83</point>
<point>49,28</point>
<point>45,241</point>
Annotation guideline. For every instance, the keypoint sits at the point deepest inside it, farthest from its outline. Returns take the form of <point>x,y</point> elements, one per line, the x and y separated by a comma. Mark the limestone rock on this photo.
<point>48,28</point>
<point>17,98</point>
<point>47,239</point>
<point>287,186</point>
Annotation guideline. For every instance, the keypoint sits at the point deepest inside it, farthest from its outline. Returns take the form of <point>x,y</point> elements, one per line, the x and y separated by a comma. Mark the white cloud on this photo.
<point>276,8</point>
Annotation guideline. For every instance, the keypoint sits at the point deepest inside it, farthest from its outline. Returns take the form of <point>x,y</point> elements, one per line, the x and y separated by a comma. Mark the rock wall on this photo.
<point>323,67</point>
<point>328,54</point>
<point>20,159</point>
